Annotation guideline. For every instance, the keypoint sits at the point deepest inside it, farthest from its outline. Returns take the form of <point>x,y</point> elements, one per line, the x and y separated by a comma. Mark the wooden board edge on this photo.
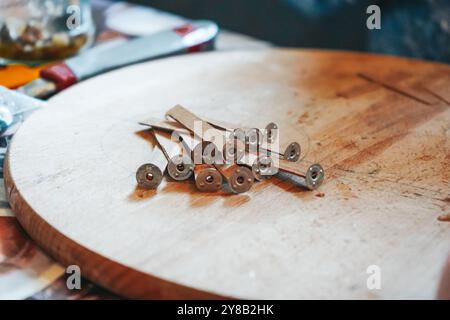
<point>116,277</point>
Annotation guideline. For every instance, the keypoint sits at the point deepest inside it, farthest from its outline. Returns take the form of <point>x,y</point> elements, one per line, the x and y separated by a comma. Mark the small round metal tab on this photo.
<point>239,134</point>
<point>292,152</point>
<point>314,176</point>
<point>233,150</point>
<point>180,167</point>
<point>263,168</point>
<point>149,176</point>
<point>241,180</point>
<point>208,180</point>
<point>254,139</point>
<point>271,132</point>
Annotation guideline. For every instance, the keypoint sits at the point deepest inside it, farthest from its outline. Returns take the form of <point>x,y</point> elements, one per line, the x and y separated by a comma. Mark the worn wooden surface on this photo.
<point>380,126</point>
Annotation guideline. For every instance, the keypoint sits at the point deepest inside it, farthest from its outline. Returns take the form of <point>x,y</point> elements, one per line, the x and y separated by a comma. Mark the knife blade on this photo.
<point>192,37</point>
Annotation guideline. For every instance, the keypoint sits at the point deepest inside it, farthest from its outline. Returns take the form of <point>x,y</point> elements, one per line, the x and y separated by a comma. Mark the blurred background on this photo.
<point>413,28</point>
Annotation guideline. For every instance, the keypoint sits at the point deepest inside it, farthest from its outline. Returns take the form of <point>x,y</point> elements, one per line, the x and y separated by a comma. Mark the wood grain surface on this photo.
<point>380,126</point>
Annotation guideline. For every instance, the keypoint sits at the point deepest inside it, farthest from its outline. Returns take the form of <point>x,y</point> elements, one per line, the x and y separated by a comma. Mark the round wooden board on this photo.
<point>379,125</point>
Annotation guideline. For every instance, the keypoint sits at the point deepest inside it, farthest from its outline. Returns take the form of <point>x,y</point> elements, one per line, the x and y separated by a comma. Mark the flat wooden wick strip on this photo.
<point>188,120</point>
<point>169,147</point>
<point>225,126</point>
<point>187,138</point>
<point>165,125</point>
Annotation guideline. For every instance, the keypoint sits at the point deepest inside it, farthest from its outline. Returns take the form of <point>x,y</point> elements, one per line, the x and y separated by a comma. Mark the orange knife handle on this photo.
<point>60,74</point>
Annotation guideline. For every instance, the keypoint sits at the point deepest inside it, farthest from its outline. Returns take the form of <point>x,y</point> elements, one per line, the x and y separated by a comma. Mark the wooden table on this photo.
<point>379,125</point>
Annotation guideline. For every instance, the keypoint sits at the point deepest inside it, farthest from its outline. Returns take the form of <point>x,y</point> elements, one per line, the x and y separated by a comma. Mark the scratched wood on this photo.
<point>379,125</point>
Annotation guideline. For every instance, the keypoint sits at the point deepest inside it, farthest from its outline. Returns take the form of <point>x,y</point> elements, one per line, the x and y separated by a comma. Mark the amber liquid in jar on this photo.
<point>43,30</point>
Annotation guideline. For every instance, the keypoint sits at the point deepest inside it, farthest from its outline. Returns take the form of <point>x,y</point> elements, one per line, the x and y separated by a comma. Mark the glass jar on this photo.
<point>43,30</point>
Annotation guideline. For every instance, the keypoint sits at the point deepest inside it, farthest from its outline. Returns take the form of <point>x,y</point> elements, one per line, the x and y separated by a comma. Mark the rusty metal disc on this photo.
<point>180,167</point>
<point>241,180</point>
<point>149,176</point>
<point>208,180</point>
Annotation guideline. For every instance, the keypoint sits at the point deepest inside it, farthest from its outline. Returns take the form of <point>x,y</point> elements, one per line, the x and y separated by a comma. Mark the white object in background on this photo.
<point>13,107</point>
<point>135,20</point>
